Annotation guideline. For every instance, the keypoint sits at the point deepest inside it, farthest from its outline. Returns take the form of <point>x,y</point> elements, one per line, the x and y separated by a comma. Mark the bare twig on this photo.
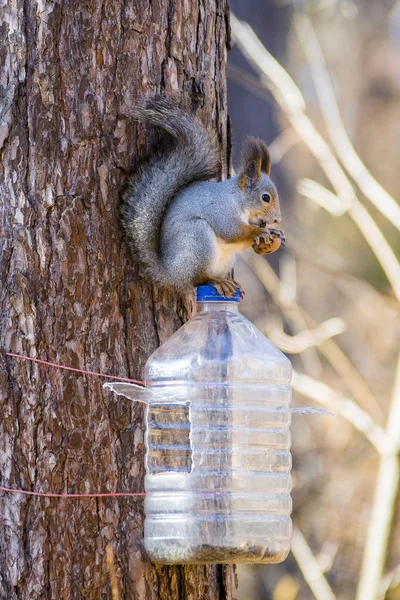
<point>293,314</point>
<point>371,232</point>
<point>282,144</point>
<point>322,393</point>
<point>379,527</point>
<point>310,568</point>
<point>386,490</point>
<point>292,102</point>
<point>389,583</point>
<point>393,422</point>
<point>336,131</point>
<point>289,98</point>
<point>331,351</point>
<point>386,442</point>
<point>320,195</point>
<point>287,297</point>
<point>294,344</point>
<point>378,244</point>
<point>352,378</point>
<point>326,555</point>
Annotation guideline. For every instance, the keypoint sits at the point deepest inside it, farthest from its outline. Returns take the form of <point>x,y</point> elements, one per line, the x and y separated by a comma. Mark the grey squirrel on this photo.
<point>184,230</point>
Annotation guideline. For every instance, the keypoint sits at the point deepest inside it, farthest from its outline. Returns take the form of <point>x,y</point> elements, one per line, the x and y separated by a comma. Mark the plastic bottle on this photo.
<point>218,464</point>
<point>218,441</point>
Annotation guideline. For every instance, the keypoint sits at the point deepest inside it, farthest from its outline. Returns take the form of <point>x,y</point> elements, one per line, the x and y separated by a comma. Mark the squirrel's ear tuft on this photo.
<point>255,159</point>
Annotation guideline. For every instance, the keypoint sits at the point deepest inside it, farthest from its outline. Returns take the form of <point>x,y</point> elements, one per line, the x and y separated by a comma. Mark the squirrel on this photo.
<point>182,229</point>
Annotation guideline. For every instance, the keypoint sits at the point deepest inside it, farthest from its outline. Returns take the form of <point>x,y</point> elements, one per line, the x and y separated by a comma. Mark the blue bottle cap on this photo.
<point>208,293</point>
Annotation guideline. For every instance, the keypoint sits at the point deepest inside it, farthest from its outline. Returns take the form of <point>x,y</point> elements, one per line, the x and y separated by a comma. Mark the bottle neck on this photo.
<point>217,306</point>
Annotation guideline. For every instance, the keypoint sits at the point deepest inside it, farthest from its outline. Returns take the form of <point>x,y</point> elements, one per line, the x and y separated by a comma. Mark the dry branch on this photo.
<point>386,491</point>
<point>288,96</point>
<point>323,394</point>
<point>329,348</point>
<point>310,568</point>
<point>334,124</point>
<point>367,226</point>
<point>294,344</point>
<point>292,103</point>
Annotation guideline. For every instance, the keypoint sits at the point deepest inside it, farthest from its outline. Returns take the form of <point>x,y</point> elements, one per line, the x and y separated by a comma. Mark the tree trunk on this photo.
<point>71,293</point>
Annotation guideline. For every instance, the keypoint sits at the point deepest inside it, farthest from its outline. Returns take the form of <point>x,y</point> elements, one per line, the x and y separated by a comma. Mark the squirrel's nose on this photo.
<point>278,219</point>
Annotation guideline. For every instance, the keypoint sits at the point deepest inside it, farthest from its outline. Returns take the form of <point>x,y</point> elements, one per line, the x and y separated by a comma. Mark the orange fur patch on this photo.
<point>258,168</point>
<point>243,182</point>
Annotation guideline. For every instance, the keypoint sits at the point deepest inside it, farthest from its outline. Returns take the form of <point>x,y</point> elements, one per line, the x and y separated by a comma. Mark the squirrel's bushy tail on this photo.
<point>192,156</point>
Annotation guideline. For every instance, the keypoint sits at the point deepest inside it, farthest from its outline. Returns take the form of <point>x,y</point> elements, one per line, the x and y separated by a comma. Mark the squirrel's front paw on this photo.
<point>226,287</point>
<point>269,241</point>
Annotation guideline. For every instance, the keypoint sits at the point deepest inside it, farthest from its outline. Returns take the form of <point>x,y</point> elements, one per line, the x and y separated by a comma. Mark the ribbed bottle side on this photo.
<point>217,451</point>
<point>218,473</point>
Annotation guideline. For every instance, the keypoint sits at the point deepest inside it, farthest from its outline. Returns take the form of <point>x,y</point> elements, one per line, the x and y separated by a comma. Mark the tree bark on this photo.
<point>71,293</point>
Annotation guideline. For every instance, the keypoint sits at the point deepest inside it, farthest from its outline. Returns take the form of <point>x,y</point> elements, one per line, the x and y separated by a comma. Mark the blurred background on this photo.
<point>329,108</point>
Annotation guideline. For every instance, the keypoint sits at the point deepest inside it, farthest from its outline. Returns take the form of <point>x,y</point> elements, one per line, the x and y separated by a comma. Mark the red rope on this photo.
<point>50,364</point>
<point>41,494</point>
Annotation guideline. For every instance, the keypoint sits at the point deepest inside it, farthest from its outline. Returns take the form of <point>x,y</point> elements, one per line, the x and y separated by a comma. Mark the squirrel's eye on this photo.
<point>266,197</point>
